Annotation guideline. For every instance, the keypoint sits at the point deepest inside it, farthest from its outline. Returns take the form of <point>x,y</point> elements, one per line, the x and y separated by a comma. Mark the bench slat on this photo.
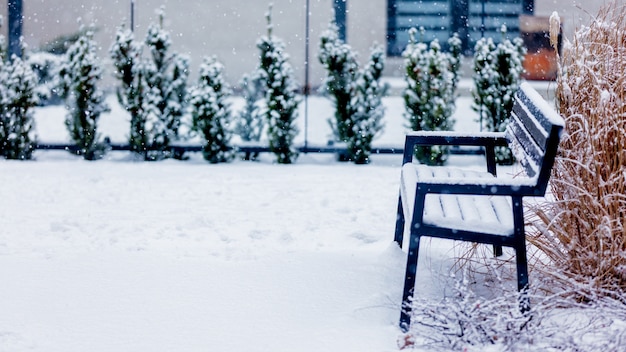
<point>522,114</point>
<point>524,147</point>
<point>464,212</point>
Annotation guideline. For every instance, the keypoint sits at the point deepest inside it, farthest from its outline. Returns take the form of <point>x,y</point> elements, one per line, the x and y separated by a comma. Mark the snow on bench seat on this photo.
<point>491,214</point>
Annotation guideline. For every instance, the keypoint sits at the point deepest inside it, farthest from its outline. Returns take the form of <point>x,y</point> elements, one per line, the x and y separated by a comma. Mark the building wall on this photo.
<point>230,28</point>
<point>573,13</point>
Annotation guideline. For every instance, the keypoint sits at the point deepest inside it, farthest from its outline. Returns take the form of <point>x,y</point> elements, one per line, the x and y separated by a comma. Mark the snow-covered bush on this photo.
<point>249,122</point>
<point>17,98</point>
<point>125,53</point>
<point>166,77</point>
<point>153,89</point>
<point>466,321</point>
<point>432,76</point>
<point>281,101</point>
<point>583,231</point>
<point>80,74</point>
<point>497,75</point>
<point>356,94</point>
<point>342,68</point>
<point>46,65</point>
<point>368,108</point>
<point>211,113</point>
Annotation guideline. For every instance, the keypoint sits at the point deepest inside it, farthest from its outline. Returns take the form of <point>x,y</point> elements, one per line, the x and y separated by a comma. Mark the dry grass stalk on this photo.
<point>582,231</point>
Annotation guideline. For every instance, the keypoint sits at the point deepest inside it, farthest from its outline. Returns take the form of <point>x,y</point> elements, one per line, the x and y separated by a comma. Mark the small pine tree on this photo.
<point>166,76</point>
<point>432,77</point>
<point>368,108</point>
<point>80,74</point>
<point>249,123</point>
<point>211,113</point>
<point>46,67</point>
<point>357,95</point>
<point>497,75</point>
<point>280,97</point>
<point>126,55</point>
<point>17,98</point>
<point>341,73</point>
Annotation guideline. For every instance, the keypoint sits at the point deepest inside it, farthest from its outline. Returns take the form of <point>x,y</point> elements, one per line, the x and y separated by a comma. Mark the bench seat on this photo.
<point>491,214</point>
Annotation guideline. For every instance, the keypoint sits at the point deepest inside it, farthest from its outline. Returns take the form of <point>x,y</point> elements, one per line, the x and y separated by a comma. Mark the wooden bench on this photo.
<point>478,206</point>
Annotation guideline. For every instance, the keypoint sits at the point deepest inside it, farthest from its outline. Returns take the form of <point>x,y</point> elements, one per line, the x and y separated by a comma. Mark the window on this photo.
<point>472,19</point>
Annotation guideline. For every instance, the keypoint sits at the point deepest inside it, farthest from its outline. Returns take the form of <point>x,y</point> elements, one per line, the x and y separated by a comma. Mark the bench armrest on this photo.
<point>492,187</point>
<point>427,138</point>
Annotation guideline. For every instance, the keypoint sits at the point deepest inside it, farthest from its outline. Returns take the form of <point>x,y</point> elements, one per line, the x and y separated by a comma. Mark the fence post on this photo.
<point>15,27</point>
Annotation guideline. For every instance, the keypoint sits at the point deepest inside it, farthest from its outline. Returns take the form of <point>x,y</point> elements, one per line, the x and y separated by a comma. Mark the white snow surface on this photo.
<point>121,255</point>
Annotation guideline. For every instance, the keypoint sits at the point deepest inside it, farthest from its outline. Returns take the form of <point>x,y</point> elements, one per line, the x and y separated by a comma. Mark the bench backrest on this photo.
<point>533,134</point>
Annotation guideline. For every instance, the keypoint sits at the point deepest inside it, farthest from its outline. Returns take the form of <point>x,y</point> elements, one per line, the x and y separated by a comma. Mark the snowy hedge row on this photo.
<point>153,89</point>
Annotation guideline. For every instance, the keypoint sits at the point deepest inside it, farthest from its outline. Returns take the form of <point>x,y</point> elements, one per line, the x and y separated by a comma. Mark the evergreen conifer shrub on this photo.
<point>342,68</point>
<point>45,65</point>
<point>497,75</point>
<point>356,94</point>
<point>211,113</point>
<point>165,101</point>
<point>432,76</point>
<point>80,75</point>
<point>368,108</point>
<point>125,53</point>
<point>153,89</point>
<point>281,101</point>
<point>249,122</point>
<point>17,98</point>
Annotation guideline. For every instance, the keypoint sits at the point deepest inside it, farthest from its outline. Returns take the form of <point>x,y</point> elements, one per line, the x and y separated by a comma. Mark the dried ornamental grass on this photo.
<point>581,231</point>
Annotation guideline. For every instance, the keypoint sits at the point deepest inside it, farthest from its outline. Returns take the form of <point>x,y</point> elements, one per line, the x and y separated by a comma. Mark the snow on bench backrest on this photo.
<point>533,133</point>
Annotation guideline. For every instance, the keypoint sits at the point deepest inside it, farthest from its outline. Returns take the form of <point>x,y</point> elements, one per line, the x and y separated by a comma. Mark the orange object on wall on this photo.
<point>540,61</point>
<point>540,65</point>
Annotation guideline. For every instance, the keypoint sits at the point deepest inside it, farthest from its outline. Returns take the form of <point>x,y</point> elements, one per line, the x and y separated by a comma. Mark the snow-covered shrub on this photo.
<point>166,77</point>
<point>46,65</point>
<point>497,75</point>
<point>356,94</point>
<point>281,101</point>
<point>17,98</point>
<point>125,53</point>
<point>249,122</point>
<point>432,76</point>
<point>583,230</point>
<point>153,89</point>
<point>211,113</point>
<point>466,321</point>
<point>80,74</point>
<point>342,68</point>
<point>368,108</point>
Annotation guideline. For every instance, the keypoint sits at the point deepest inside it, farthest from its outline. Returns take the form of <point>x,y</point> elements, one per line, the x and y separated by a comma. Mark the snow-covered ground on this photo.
<point>120,255</point>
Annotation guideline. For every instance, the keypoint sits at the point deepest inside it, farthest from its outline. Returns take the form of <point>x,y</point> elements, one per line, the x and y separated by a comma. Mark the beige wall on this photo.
<point>230,28</point>
<point>226,28</point>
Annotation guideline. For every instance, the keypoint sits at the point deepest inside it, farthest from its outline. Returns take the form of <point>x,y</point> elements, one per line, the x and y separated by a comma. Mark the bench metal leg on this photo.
<point>409,282</point>
<point>399,235</point>
<point>520,253</point>
<point>522,277</point>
